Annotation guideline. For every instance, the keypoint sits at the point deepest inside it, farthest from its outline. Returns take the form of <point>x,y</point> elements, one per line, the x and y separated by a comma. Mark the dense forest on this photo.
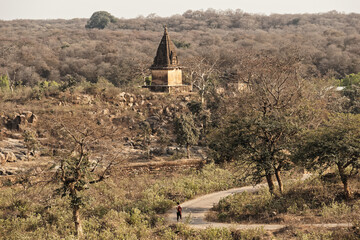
<point>32,51</point>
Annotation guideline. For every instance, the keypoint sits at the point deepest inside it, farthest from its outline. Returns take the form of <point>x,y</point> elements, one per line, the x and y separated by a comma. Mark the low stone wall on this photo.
<point>130,169</point>
<point>161,167</point>
<point>169,89</point>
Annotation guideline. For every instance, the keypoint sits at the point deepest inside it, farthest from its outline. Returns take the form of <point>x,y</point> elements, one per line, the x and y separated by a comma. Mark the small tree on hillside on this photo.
<point>186,132</point>
<point>75,139</point>
<point>336,143</point>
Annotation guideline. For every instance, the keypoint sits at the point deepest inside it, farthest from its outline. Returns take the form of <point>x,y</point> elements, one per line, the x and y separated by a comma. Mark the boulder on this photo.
<point>100,121</point>
<point>105,111</point>
<point>10,157</point>
<point>154,122</point>
<point>21,120</point>
<point>87,99</point>
<point>27,114</point>
<point>14,124</point>
<point>121,97</point>
<point>32,118</point>
<point>157,151</point>
<point>2,158</point>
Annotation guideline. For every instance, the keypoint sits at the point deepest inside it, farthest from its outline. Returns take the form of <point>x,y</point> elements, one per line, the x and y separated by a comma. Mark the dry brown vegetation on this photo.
<point>81,81</point>
<point>32,51</point>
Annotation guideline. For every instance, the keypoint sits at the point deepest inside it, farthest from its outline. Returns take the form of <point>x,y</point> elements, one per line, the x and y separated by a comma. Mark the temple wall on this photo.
<point>166,77</point>
<point>159,77</point>
<point>175,77</point>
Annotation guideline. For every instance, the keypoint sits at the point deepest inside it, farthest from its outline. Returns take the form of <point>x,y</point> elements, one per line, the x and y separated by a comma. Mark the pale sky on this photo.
<point>68,9</point>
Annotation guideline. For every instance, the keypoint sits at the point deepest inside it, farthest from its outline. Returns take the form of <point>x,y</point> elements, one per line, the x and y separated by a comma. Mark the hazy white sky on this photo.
<point>67,9</point>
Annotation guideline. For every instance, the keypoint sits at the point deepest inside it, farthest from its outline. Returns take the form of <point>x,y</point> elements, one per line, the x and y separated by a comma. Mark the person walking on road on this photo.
<point>178,212</point>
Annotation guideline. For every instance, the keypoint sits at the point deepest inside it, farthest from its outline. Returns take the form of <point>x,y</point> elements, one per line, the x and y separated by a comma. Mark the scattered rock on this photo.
<point>105,111</point>
<point>32,118</point>
<point>10,157</point>
<point>20,121</point>
<point>83,99</point>
<point>2,158</point>
<point>157,151</point>
<point>27,114</point>
<point>100,121</point>
<point>154,122</point>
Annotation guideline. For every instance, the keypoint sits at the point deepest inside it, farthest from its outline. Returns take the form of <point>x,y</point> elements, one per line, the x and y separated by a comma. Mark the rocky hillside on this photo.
<point>141,123</point>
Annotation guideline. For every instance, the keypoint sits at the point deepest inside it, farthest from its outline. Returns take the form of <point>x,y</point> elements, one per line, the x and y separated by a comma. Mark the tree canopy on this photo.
<point>186,132</point>
<point>336,143</point>
<point>100,20</point>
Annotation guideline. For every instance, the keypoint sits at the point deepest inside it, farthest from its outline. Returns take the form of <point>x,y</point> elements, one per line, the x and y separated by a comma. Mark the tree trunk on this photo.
<point>344,180</point>
<point>77,221</point>
<point>279,180</point>
<point>270,183</point>
<point>188,151</point>
<point>76,211</point>
<point>202,98</point>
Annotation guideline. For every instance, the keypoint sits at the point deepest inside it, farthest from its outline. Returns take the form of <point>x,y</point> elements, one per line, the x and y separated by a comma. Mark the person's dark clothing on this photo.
<point>178,212</point>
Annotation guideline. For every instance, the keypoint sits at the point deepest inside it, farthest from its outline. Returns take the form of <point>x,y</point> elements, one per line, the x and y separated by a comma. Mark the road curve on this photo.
<point>194,212</point>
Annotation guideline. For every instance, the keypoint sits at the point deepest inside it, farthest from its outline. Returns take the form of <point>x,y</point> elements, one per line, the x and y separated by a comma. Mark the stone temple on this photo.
<point>165,71</point>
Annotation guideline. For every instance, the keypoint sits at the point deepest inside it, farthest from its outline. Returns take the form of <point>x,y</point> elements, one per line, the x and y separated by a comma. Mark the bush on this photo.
<point>335,210</point>
<point>311,200</point>
<point>4,82</point>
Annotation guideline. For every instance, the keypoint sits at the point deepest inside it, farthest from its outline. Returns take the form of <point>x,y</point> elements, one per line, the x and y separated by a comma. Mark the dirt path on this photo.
<point>194,212</point>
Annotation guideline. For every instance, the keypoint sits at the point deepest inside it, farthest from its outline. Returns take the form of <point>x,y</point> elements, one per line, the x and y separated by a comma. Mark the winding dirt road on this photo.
<point>194,212</point>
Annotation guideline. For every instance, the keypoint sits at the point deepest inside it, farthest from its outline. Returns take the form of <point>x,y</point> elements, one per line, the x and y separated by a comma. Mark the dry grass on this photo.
<point>314,201</point>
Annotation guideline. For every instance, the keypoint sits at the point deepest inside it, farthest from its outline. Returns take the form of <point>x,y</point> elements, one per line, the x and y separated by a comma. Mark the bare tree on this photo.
<point>201,74</point>
<point>260,134</point>
<point>275,87</point>
<point>84,154</point>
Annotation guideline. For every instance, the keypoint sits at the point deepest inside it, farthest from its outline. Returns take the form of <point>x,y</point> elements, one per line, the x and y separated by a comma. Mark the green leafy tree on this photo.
<point>265,119</point>
<point>4,82</point>
<point>257,143</point>
<point>336,143</point>
<point>186,132</point>
<point>100,20</point>
<point>350,80</point>
<point>351,83</point>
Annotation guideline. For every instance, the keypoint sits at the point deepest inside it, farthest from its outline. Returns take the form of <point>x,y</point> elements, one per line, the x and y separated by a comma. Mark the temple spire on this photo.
<point>166,55</point>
